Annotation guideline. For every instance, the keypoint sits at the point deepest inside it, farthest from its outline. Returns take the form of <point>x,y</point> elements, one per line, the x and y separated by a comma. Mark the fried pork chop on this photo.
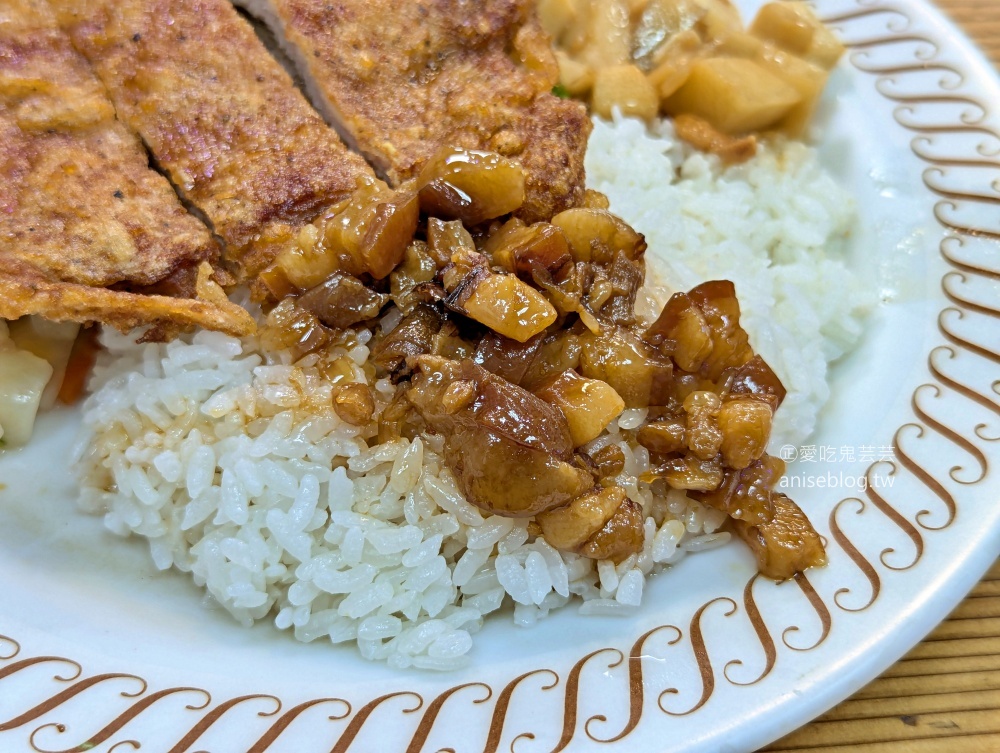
<point>403,79</point>
<point>80,209</point>
<point>218,112</point>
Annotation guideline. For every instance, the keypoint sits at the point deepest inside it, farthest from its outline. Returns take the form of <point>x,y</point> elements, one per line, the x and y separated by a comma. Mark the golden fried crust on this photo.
<point>23,291</point>
<point>218,113</point>
<point>405,79</point>
<point>79,207</point>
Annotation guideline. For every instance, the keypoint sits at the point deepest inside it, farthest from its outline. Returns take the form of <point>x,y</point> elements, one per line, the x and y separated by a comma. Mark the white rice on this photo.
<point>776,226</point>
<point>234,466</point>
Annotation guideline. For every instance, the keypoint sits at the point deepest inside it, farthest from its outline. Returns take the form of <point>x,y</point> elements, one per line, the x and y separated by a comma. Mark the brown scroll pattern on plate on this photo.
<point>905,54</point>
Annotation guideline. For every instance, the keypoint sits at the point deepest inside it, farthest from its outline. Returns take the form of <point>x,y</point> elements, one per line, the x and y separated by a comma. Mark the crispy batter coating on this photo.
<point>23,290</point>
<point>218,112</point>
<point>406,78</point>
<point>80,209</point>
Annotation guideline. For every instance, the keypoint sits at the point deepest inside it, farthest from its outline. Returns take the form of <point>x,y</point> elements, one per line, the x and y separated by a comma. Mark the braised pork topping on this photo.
<point>520,346</point>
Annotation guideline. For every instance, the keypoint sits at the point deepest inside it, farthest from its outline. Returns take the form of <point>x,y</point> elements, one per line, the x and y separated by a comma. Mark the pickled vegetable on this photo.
<point>808,79</point>
<point>575,77</point>
<point>625,88</point>
<point>82,358</point>
<point>734,95</point>
<point>674,61</point>
<point>662,21</point>
<point>52,341</point>
<point>23,378</point>
<point>609,34</point>
<point>694,57</point>
<point>793,26</point>
<point>556,15</point>
<point>704,136</point>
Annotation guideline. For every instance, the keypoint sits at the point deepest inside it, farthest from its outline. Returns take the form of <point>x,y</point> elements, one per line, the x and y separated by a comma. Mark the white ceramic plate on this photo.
<point>102,652</point>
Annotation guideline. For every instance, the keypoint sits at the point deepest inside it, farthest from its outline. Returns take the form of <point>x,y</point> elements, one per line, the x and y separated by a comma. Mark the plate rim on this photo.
<point>966,569</point>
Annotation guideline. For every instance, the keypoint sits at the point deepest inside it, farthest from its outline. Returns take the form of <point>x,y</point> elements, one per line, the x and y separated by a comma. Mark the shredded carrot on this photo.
<point>81,362</point>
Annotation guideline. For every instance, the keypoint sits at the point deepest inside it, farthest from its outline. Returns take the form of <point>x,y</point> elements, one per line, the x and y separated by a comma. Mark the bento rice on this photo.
<point>232,463</point>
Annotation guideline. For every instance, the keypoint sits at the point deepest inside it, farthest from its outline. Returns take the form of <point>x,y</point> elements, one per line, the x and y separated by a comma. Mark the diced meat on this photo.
<point>495,403</point>
<point>785,545</point>
<point>520,248</point>
<point>80,209</point>
<point>589,405</point>
<point>217,111</point>
<point>406,79</point>
<point>342,300</point>
<point>508,359</point>
<point>504,303</point>
<point>710,436</point>
<point>701,330</point>
<point>407,281</point>
<point>701,134</point>
<point>757,380</point>
<point>747,493</point>
<point>633,370</point>
<point>290,327</point>
<point>354,404</point>
<point>470,185</point>
<point>414,336</point>
<point>511,452</point>
<point>604,524</point>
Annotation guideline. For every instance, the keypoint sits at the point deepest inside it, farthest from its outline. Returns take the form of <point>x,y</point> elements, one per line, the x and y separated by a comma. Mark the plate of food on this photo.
<point>588,375</point>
